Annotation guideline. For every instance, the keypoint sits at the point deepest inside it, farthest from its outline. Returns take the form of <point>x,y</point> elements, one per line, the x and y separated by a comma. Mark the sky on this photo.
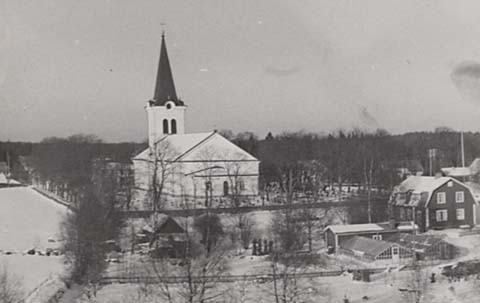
<point>89,66</point>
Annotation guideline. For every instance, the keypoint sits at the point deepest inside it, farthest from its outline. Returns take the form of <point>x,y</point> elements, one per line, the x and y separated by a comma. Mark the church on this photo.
<point>180,169</point>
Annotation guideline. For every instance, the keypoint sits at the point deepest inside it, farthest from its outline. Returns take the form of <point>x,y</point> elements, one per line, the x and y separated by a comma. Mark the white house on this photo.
<point>182,167</point>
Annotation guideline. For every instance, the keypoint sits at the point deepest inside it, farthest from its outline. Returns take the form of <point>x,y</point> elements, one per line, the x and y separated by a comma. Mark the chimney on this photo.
<point>438,175</point>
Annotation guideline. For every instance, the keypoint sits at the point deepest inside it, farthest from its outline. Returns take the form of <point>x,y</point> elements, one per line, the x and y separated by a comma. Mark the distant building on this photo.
<point>337,235</point>
<point>410,168</point>
<point>187,168</point>
<point>459,173</point>
<point>434,202</point>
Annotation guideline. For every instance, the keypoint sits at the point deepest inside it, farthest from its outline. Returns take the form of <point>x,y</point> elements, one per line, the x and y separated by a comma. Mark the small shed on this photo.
<point>369,250</point>
<point>335,235</point>
<point>166,236</point>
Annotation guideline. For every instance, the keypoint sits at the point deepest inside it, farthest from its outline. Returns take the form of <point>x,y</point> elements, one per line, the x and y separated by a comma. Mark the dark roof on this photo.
<point>164,85</point>
<point>366,245</point>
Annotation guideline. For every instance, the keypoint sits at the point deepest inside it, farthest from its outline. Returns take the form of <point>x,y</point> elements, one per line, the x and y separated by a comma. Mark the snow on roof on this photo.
<point>422,188</point>
<point>5,180</point>
<point>457,171</point>
<point>177,147</point>
<point>419,184</point>
<point>176,144</point>
<point>352,228</point>
<point>475,188</point>
<point>419,242</point>
<point>475,166</point>
<point>369,227</point>
<point>366,245</point>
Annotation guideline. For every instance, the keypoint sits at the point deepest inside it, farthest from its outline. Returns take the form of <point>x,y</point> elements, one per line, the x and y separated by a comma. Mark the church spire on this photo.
<point>164,86</point>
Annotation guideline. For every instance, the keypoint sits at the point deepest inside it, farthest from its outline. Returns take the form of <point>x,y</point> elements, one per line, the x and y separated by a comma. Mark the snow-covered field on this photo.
<point>28,220</point>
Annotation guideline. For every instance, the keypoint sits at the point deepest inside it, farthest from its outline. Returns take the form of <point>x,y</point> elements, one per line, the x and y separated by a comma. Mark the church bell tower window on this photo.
<point>165,126</point>
<point>174,126</point>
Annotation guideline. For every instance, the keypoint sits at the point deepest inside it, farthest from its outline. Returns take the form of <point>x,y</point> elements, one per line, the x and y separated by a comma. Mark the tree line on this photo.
<point>294,161</point>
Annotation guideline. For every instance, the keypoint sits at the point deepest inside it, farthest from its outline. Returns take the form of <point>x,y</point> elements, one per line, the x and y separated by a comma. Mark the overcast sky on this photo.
<point>89,66</point>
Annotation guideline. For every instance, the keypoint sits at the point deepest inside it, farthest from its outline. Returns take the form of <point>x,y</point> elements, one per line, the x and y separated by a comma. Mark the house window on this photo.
<point>450,183</point>
<point>377,237</point>
<point>441,198</point>
<point>442,215</point>
<point>460,214</point>
<point>459,196</point>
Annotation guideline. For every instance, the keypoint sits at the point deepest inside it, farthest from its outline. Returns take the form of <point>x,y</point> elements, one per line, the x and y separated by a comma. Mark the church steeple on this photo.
<point>164,85</point>
<point>166,112</point>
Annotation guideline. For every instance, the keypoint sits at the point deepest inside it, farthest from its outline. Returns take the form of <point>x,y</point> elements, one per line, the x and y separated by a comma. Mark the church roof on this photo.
<point>164,85</point>
<point>197,146</point>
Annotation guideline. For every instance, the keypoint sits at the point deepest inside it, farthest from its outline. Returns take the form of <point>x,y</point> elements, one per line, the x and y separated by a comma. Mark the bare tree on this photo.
<point>10,287</point>
<point>235,181</point>
<point>202,262</point>
<point>84,234</point>
<point>245,226</point>
<point>289,239</point>
<point>162,169</point>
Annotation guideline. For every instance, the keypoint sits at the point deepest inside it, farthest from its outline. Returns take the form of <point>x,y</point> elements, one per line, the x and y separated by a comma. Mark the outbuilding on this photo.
<point>367,249</point>
<point>426,246</point>
<point>336,235</point>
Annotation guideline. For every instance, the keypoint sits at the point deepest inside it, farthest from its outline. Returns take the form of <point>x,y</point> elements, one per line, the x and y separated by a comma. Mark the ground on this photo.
<point>384,287</point>
<point>30,220</point>
<point>27,219</point>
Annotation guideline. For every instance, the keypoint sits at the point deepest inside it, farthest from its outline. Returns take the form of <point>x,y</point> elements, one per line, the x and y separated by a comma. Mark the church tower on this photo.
<point>166,112</point>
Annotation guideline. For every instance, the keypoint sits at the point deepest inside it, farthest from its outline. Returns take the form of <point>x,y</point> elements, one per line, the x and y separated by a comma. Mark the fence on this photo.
<point>220,279</point>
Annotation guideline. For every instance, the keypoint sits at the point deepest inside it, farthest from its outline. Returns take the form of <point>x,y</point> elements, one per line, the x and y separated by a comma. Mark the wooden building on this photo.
<point>434,203</point>
<point>336,235</point>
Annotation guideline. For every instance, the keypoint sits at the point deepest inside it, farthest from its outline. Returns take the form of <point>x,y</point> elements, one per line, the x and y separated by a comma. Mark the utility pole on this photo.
<point>462,149</point>
<point>431,154</point>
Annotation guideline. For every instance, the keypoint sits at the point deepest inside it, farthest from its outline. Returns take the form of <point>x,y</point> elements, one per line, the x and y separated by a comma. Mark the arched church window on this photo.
<point>174,126</point>
<point>165,126</point>
<point>225,188</point>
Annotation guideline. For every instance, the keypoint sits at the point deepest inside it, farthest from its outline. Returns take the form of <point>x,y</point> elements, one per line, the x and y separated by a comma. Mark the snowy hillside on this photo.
<point>27,219</point>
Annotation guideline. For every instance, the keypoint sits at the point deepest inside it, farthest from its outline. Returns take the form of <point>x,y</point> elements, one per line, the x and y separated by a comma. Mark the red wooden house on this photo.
<point>434,203</point>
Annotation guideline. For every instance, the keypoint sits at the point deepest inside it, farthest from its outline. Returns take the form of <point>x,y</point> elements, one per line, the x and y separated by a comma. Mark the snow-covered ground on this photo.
<point>331,289</point>
<point>30,220</point>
